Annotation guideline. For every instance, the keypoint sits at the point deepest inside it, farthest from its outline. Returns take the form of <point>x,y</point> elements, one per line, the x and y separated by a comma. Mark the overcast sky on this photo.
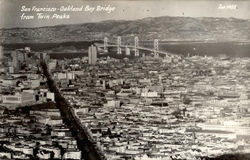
<point>10,10</point>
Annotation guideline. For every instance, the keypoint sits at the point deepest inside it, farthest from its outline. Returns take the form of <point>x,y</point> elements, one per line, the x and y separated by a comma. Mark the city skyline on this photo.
<point>181,102</point>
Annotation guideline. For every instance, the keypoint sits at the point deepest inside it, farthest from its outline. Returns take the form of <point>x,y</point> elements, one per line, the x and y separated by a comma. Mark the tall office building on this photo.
<point>20,56</point>
<point>1,59</point>
<point>127,51</point>
<point>44,56</point>
<point>15,61</point>
<point>92,55</point>
<point>105,45</point>
<point>1,54</point>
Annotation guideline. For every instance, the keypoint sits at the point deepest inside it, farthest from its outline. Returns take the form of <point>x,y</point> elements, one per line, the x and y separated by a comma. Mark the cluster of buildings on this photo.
<point>31,126</point>
<point>22,82</point>
<point>132,108</point>
<point>160,108</point>
<point>37,133</point>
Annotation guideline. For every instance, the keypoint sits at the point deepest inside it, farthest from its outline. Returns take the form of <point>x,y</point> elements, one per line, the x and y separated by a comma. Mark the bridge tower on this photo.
<point>105,45</point>
<point>119,43</point>
<point>156,47</point>
<point>136,46</point>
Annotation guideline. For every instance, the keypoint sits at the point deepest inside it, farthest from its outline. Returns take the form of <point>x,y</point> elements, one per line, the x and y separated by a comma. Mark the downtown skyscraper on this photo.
<point>92,55</point>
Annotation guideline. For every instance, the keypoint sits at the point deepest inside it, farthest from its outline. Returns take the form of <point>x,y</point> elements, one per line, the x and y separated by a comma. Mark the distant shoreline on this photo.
<point>202,48</point>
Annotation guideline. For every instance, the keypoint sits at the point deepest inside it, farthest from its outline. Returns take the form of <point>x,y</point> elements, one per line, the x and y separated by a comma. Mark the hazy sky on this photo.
<point>10,10</point>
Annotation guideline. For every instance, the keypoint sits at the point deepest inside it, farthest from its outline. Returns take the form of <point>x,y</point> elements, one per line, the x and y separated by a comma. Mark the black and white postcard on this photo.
<point>125,79</point>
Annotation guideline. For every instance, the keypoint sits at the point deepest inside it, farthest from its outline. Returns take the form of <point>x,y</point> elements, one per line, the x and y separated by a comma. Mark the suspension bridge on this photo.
<point>139,51</point>
<point>136,48</point>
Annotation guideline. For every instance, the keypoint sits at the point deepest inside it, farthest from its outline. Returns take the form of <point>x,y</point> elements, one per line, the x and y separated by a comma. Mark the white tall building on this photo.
<point>92,55</point>
<point>127,51</point>
<point>1,59</point>
<point>1,54</point>
<point>105,45</point>
<point>15,61</point>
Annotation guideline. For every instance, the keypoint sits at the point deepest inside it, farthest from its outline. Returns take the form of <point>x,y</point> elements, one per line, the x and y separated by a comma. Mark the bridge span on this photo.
<point>137,48</point>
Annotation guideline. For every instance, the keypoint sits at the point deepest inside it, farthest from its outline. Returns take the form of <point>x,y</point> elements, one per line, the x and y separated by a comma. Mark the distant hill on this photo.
<point>163,28</point>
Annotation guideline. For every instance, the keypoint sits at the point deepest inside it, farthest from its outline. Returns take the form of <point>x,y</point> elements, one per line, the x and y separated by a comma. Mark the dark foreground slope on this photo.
<point>230,157</point>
